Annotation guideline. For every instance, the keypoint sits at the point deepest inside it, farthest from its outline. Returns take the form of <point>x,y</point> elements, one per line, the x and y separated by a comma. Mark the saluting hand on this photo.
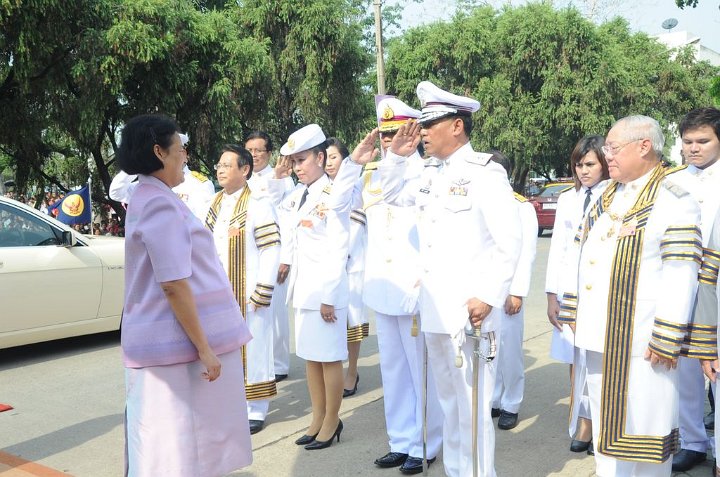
<point>366,151</point>
<point>406,139</point>
<point>283,168</point>
<point>477,311</point>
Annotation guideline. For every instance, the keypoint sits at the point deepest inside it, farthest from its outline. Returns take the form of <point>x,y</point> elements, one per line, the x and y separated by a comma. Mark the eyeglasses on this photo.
<point>217,167</point>
<point>614,149</point>
<point>257,151</point>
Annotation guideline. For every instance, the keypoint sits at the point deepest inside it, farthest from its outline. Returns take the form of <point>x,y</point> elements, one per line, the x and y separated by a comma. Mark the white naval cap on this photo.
<point>303,139</point>
<point>437,103</point>
<point>184,138</point>
<point>393,113</point>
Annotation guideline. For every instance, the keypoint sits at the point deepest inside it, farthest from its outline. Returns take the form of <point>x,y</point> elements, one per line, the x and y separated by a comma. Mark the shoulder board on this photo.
<point>370,166</point>
<point>197,175</point>
<point>327,189</point>
<point>519,197</point>
<point>479,158</point>
<point>676,190</point>
<point>673,170</point>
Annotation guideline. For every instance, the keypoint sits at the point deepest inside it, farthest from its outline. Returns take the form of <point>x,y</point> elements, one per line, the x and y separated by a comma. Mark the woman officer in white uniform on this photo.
<point>590,173</point>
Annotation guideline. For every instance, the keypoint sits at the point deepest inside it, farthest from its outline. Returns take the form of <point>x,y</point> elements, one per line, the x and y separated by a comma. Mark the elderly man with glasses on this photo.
<point>638,253</point>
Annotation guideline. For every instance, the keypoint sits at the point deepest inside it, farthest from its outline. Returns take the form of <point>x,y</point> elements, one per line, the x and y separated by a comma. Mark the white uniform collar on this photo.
<point>708,171</point>
<point>264,171</point>
<point>638,183</point>
<point>463,150</point>
<point>232,197</point>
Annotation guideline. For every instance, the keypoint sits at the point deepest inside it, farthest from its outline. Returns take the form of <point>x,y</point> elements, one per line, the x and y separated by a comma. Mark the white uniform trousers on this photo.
<point>258,409</point>
<point>401,367</point>
<point>259,359</point>
<point>607,466</point>
<point>281,336</point>
<point>692,405</point>
<point>579,392</point>
<point>510,380</point>
<point>454,388</point>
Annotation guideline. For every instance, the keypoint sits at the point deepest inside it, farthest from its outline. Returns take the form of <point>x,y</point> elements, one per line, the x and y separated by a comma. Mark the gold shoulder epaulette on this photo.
<point>673,170</point>
<point>479,158</point>
<point>519,197</point>
<point>678,191</point>
<point>197,175</point>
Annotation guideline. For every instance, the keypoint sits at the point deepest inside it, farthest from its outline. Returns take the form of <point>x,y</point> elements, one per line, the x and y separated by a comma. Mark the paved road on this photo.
<point>68,400</point>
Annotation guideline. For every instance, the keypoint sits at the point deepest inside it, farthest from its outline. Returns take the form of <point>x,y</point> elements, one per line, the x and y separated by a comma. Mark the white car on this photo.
<point>54,282</point>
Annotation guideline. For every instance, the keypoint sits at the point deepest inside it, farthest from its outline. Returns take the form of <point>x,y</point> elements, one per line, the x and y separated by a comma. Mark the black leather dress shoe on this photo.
<point>687,459</point>
<point>391,459</point>
<point>256,426</point>
<point>413,465</point>
<point>494,412</point>
<point>579,446</point>
<point>590,449</point>
<point>507,420</point>
<point>280,377</point>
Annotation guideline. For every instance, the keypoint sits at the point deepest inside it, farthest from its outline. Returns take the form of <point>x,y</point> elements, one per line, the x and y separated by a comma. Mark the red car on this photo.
<point>545,203</point>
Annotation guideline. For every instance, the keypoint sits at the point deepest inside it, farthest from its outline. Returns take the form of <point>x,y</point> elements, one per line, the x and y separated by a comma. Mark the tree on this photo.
<point>545,78</point>
<point>74,80</point>
<point>316,67</point>
<point>686,3</point>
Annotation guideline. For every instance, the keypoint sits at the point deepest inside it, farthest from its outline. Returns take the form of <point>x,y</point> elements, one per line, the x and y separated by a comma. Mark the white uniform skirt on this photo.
<point>180,425</point>
<point>562,345</point>
<point>318,340</point>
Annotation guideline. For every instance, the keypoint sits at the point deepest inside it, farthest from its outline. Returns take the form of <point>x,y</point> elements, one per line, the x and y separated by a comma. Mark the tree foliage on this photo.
<point>547,77</point>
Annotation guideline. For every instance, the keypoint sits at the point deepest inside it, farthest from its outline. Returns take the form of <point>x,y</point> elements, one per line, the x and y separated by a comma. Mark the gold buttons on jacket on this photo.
<point>588,287</point>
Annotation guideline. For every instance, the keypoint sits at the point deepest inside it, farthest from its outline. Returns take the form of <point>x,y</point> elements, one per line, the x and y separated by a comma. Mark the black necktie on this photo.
<point>588,194</point>
<point>304,197</point>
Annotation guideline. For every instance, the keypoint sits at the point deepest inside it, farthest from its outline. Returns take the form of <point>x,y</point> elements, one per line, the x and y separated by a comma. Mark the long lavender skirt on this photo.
<point>178,424</point>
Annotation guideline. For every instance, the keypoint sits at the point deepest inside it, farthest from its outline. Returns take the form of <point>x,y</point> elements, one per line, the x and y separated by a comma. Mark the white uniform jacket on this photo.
<point>262,250</point>
<point>319,236</point>
<point>392,265</point>
<point>666,281</point>
<point>470,235</point>
<point>258,182</point>
<point>520,285</point>
<point>568,217</point>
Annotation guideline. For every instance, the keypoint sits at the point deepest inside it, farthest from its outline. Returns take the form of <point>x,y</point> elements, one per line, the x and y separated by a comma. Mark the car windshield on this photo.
<point>554,190</point>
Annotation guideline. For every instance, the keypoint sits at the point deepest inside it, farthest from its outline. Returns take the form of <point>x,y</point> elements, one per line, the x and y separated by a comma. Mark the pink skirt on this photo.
<point>180,425</point>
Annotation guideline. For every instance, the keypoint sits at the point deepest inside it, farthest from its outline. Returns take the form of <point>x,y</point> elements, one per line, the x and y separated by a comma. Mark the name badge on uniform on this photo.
<point>628,229</point>
<point>426,188</point>
<point>459,187</point>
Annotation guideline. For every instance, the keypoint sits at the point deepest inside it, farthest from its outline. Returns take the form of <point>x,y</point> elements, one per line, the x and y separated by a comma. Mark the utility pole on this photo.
<point>379,48</point>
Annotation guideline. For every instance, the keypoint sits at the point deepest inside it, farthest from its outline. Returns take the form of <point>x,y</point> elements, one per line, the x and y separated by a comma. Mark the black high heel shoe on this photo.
<point>314,445</point>
<point>305,440</point>
<point>351,392</point>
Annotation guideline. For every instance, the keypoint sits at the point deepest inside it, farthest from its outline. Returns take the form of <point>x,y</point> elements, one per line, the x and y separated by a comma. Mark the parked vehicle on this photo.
<point>545,203</point>
<point>55,282</point>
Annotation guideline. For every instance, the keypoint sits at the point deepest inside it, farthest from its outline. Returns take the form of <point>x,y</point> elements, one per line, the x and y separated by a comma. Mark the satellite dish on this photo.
<point>669,24</point>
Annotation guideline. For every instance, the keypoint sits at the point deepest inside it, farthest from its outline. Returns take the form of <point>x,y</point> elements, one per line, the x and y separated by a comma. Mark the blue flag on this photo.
<point>74,208</point>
